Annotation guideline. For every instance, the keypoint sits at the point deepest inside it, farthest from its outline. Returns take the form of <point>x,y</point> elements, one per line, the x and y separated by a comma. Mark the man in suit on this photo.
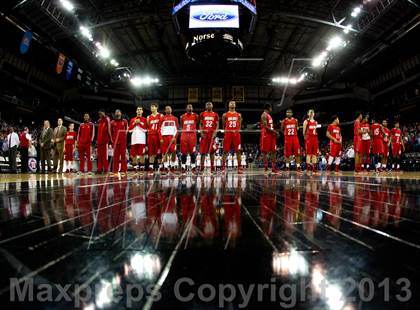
<point>58,145</point>
<point>13,144</point>
<point>45,146</point>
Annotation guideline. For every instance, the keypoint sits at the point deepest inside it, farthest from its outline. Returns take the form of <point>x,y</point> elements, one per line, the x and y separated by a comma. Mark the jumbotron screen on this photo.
<point>214,16</point>
<point>249,4</point>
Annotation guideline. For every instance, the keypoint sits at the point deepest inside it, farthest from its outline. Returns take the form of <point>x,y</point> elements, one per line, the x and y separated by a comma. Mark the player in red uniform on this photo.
<point>377,145</point>
<point>69,146</point>
<point>167,135</point>
<point>138,128</point>
<point>268,138</point>
<point>85,136</point>
<point>188,139</point>
<point>397,146</point>
<point>365,144</point>
<point>102,141</point>
<point>232,123</point>
<point>310,134</point>
<point>119,128</point>
<point>386,140</point>
<point>334,135</point>
<point>289,128</point>
<point>209,124</point>
<point>357,142</point>
<point>153,144</point>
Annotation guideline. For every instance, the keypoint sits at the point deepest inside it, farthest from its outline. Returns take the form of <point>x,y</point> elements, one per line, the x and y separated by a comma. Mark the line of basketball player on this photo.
<point>160,133</point>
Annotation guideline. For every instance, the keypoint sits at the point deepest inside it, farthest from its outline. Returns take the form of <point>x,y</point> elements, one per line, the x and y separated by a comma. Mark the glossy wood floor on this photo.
<point>202,242</point>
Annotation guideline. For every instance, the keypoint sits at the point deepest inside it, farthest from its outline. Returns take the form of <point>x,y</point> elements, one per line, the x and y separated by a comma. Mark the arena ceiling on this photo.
<point>141,35</point>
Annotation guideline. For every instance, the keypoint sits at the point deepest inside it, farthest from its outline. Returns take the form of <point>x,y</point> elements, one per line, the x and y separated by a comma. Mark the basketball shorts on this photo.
<point>335,149</point>
<point>68,153</point>
<point>168,146</point>
<point>137,150</point>
<point>188,143</point>
<point>311,145</point>
<point>207,145</point>
<point>232,139</point>
<point>377,147</point>
<point>268,143</point>
<point>153,145</point>
<point>396,149</point>
<point>291,146</point>
<point>365,147</point>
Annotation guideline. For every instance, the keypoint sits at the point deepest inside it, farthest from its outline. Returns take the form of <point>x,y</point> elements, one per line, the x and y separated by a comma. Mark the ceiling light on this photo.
<point>348,28</point>
<point>285,80</point>
<point>335,42</point>
<point>67,5</point>
<point>104,52</point>
<point>114,63</point>
<point>302,77</point>
<point>138,81</point>
<point>86,32</point>
<point>356,11</point>
<point>319,60</point>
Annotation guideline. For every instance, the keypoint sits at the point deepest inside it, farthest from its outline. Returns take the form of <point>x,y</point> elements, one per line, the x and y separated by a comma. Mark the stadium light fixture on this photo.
<point>86,32</point>
<point>103,51</point>
<point>356,11</point>
<point>286,80</point>
<point>348,28</point>
<point>335,43</point>
<point>67,5</point>
<point>114,63</point>
<point>138,81</point>
<point>319,60</point>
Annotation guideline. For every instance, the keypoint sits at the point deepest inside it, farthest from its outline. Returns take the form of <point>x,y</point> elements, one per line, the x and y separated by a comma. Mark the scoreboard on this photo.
<point>213,29</point>
<point>249,4</point>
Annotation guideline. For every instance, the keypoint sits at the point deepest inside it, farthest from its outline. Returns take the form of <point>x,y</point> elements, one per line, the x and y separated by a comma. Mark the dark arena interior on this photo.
<point>210,154</point>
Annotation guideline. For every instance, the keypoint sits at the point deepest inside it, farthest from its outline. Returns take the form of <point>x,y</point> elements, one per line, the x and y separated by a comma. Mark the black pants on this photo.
<point>12,159</point>
<point>23,159</point>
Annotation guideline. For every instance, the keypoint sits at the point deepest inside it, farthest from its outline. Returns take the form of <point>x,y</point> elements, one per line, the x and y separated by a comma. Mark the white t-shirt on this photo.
<point>365,136</point>
<point>168,128</point>
<point>138,136</point>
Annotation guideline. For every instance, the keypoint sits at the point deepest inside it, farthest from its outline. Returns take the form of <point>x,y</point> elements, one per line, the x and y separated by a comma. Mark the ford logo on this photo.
<point>213,16</point>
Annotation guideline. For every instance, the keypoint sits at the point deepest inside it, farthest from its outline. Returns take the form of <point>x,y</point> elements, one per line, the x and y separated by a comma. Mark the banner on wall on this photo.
<point>69,70</point>
<point>26,42</point>
<point>238,93</point>
<point>217,94</point>
<point>60,63</point>
<point>192,95</point>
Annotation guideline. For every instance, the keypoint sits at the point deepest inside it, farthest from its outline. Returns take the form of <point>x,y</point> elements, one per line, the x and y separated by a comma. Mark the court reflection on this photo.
<point>210,205</point>
<point>120,231</point>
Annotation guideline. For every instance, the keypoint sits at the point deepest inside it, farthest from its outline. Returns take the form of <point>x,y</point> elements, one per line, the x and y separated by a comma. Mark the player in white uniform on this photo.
<point>243,161</point>
<point>207,162</point>
<point>230,161</point>
<point>198,160</point>
<point>235,161</point>
<point>218,162</point>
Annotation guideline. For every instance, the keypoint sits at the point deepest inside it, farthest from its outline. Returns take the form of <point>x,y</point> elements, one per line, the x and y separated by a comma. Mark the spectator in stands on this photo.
<point>2,142</point>
<point>12,146</point>
<point>25,143</point>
